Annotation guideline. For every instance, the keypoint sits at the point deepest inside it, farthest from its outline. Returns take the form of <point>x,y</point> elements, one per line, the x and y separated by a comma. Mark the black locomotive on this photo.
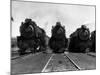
<point>32,37</point>
<point>58,41</point>
<point>93,41</point>
<point>80,40</point>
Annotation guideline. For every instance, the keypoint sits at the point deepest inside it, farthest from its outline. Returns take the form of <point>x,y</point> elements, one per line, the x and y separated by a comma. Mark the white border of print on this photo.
<point>5,36</point>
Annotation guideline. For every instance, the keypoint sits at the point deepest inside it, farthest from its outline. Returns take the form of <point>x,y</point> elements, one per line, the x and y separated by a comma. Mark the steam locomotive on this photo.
<point>93,41</point>
<point>32,37</point>
<point>80,40</point>
<point>58,41</point>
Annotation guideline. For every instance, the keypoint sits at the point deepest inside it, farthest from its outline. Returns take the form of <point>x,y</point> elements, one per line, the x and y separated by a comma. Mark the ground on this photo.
<point>50,62</point>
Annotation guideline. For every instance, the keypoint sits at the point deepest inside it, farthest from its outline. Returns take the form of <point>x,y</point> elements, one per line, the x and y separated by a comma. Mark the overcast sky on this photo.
<point>46,15</point>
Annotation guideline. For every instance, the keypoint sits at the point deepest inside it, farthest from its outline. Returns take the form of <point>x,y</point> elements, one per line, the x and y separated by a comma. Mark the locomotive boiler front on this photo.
<point>84,33</point>
<point>27,28</point>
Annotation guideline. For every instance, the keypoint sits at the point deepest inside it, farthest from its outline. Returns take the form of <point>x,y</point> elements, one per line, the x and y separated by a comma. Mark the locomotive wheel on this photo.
<point>32,50</point>
<point>82,49</point>
<point>21,52</point>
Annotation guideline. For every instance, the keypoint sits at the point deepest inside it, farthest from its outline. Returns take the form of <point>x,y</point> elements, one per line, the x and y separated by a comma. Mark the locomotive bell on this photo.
<point>83,27</point>
<point>52,27</point>
<point>58,23</point>
<point>27,20</point>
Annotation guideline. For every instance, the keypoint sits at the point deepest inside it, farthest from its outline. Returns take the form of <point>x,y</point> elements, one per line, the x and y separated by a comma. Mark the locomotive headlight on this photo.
<point>86,32</point>
<point>60,31</point>
<point>30,28</point>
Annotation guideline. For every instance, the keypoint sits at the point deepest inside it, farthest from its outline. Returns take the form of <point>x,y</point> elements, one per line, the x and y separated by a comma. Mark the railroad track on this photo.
<point>43,70</point>
<point>78,68</point>
<point>91,55</point>
<point>16,57</point>
<point>69,63</point>
<point>52,63</point>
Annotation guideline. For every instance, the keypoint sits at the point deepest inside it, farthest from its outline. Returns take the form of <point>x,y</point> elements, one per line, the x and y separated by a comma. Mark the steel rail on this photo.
<point>43,70</point>
<point>73,62</point>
